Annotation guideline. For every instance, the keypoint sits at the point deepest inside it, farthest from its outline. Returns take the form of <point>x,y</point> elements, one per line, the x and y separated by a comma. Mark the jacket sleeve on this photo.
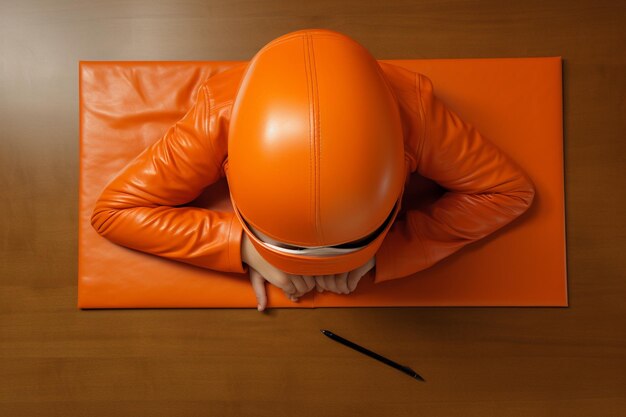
<point>137,207</point>
<point>485,190</point>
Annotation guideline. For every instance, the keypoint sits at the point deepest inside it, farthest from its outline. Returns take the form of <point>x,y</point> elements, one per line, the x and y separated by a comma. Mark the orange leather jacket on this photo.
<point>485,188</point>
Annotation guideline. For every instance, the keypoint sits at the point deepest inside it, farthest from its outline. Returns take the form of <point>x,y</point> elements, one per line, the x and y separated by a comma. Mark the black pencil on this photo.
<point>371,354</point>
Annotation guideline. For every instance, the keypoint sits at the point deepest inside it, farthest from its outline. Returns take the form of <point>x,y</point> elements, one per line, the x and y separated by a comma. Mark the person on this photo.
<point>317,140</point>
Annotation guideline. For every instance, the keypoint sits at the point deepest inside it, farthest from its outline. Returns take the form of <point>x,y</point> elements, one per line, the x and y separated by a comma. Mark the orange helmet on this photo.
<point>315,153</point>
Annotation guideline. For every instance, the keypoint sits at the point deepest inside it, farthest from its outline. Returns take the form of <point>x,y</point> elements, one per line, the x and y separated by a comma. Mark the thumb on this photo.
<point>258,285</point>
<point>353,279</point>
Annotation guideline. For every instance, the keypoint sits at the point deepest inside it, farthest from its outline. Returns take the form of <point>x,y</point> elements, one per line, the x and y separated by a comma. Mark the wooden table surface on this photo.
<point>56,360</point>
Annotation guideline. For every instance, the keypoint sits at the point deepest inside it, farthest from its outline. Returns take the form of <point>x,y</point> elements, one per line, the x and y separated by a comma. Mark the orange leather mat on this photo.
<point>516,102</point>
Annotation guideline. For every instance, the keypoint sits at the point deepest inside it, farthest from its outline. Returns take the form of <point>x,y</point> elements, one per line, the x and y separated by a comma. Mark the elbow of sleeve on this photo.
<point>524,196</point>
<point>529,191</point>
<point>96,222</point>
<point>99,218</point>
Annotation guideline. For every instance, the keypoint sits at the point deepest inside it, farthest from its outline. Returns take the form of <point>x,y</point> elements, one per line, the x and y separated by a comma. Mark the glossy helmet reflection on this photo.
<point>315,153</point>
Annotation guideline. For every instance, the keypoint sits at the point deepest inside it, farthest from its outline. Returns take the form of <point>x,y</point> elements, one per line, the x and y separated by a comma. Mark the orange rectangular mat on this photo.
<point>127,105</point>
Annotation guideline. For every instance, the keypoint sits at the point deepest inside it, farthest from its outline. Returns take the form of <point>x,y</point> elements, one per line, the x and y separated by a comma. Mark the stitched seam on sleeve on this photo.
<point>418,84</point>
<point>207,123</point>
<point>230,245</point>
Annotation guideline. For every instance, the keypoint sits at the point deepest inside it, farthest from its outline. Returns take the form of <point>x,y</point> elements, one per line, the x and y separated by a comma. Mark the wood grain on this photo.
<point>56,360</point>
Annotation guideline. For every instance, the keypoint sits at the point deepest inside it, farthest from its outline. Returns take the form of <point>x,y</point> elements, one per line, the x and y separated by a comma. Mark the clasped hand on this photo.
<point>294,286</point>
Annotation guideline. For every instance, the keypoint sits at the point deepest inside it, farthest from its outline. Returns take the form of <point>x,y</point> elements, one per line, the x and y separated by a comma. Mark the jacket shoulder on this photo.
<point>222,88</point>
<point>224,83</point>
<point>399,77</point>
<point>404,84</point>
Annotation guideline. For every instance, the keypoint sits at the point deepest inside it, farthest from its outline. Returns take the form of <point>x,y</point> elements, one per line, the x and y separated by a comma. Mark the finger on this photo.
<point>300,284</point>
<point>353,279</point>
<point>258,285</point>
<point>329,281</point>
<point>342,282</point>
<point>291,296</point>
<point>287,286</point>
<point>319,280</point>
<point>309,280</point>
